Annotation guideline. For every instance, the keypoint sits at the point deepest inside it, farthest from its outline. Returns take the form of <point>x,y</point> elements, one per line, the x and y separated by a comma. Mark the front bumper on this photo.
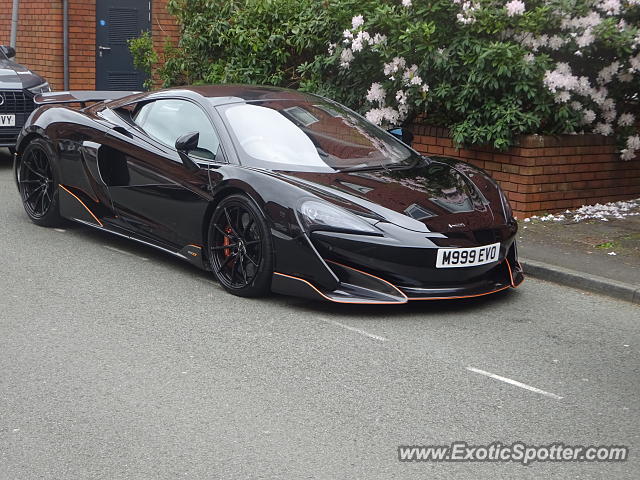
<point>384,270</point>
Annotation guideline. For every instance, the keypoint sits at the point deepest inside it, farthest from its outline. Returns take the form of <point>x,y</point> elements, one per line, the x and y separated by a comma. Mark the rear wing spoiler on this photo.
<point>79,96</point>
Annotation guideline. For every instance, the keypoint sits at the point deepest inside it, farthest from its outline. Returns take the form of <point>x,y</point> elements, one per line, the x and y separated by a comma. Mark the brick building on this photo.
<point>97,32</point>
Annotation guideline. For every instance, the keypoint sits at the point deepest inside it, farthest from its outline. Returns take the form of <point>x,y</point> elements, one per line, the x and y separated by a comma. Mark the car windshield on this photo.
<point>317,136</point>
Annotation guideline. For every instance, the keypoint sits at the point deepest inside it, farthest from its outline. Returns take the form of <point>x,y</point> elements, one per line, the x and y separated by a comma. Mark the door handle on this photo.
<point>102,49</point>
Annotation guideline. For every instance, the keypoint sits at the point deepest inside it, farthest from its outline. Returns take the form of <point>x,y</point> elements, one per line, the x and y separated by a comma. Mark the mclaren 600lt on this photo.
<point>270,190</point>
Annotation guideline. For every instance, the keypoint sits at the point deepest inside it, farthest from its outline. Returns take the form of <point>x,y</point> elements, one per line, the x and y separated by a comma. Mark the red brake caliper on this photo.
<point>227,241</point>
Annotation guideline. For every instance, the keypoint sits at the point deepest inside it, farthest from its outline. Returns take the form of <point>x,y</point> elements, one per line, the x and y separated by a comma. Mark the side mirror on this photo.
<point>402,134</point>
<point>9,52</point>
<point>185,144</point>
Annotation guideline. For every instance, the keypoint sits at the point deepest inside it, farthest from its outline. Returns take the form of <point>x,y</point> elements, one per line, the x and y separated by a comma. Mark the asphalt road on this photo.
<point>120,362</point>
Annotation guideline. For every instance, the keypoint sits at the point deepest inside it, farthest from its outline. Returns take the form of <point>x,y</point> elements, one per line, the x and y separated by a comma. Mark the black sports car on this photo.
<point>18,85</point>
<point>271,190</point>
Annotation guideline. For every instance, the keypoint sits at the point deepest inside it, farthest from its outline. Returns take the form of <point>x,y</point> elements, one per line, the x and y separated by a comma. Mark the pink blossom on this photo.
<point>626,120</point>
<point>376,93</point>
<point>357,21</point>
<point>396,64</point>
<point>633,142</point>
<point>609,115</point>
<point>468,9</point>
<point>603,129</point>
<point>606,74</point>
<point>625,77</point>
<point>610,7</point>
<point>588,116</point>
<point>346,57</point>
<point>379,116</point>
<point>586,39</point>
<point>555,42</point>
<point>379,39</point>
<point>515,7</point>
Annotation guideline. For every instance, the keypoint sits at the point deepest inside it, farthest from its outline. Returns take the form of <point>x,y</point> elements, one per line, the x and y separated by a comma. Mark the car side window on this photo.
<point>167,120</point>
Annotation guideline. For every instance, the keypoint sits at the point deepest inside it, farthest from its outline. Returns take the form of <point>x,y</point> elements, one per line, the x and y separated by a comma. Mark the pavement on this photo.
<point>597,254</point>
<point>120,362</point>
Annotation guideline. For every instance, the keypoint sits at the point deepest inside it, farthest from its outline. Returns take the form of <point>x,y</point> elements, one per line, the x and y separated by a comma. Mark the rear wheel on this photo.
<point>37,182</point>
<point>240,247</point>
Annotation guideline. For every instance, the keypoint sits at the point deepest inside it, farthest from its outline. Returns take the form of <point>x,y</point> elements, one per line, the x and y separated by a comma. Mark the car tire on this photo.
<point>37,178</point>
<point>240,247</point>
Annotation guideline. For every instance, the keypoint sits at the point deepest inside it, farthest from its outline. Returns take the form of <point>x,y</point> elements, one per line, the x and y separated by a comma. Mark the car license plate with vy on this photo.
<point>467,257</point>
<point>7,120</point>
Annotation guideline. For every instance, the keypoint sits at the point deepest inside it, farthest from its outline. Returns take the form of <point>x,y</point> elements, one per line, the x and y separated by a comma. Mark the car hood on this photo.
<point>14,76</point>
<point>445,195</point>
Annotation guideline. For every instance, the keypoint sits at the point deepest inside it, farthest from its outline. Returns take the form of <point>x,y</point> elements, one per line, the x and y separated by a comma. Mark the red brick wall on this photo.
<point>39,40</point>
<point>82,45</point>
<point>40,46</point>
<point>5,22</point>
<point>163,26</point>
<point>164,29</point>
<point>544,173</point>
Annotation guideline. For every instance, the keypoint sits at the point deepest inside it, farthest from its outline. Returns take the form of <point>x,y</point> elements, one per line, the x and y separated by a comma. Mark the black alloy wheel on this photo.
<point>37,184</point>
<point>239,248</point>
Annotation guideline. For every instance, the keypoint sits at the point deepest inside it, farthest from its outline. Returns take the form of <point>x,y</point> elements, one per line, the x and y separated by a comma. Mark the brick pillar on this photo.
<point>164,28</point>
<point>39,40</point>
<point>82,44</point>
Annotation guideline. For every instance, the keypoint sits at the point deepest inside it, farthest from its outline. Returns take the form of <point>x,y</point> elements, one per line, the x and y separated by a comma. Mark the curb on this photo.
<point>581,280</point>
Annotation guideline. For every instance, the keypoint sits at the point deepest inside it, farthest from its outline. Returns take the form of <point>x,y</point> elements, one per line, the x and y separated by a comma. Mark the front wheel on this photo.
<point>240,248</point>
<point>38,184</point>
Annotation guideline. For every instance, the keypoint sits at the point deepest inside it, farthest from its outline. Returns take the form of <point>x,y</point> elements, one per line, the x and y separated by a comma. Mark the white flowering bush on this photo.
<point>488,69</point>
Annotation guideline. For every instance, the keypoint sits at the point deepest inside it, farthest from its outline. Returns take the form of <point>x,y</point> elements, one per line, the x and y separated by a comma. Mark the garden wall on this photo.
<point>546,173</point>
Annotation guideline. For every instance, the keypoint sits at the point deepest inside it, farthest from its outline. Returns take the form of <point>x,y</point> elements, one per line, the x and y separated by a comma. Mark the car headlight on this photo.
<point>506,206</point>
<point>318,215</point>
<point>42,88</point>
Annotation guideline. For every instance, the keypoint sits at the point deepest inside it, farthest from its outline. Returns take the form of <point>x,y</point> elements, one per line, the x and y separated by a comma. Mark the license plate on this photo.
<point>467,257</point>
<point>7,120</point>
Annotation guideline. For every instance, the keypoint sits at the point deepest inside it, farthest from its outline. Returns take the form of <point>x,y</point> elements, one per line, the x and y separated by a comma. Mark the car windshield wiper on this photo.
<point>363,167</point>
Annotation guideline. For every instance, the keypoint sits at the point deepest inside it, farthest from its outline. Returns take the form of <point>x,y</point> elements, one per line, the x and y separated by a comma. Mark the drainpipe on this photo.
<point>14,22</point>
<point>65,41</point>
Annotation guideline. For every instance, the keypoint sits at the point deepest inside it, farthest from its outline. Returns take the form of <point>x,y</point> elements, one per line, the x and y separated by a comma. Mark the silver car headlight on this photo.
<point>42,88</point>
<point>318,215</point>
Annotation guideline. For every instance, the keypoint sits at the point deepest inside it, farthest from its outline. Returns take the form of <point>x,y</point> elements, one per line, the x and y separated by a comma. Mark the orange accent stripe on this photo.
<point>334,300</point>
<point>82,203</point>
<point>370,275</point>
<point>463,296</point>
<point>513,284</point>
<point>194,245</point>
<point>510,273</point>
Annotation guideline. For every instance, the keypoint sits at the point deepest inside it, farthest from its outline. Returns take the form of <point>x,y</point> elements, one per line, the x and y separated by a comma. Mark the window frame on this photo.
<point>139,103</point>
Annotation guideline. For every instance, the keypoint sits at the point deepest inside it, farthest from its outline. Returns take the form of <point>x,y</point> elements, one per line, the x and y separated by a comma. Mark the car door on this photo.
<point>152,192</point>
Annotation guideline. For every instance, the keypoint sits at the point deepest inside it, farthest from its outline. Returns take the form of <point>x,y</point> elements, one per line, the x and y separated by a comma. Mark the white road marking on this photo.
<point>354,329</point>
<point>515,382</point>
<point>125,252</point>
<point>61,230</point>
